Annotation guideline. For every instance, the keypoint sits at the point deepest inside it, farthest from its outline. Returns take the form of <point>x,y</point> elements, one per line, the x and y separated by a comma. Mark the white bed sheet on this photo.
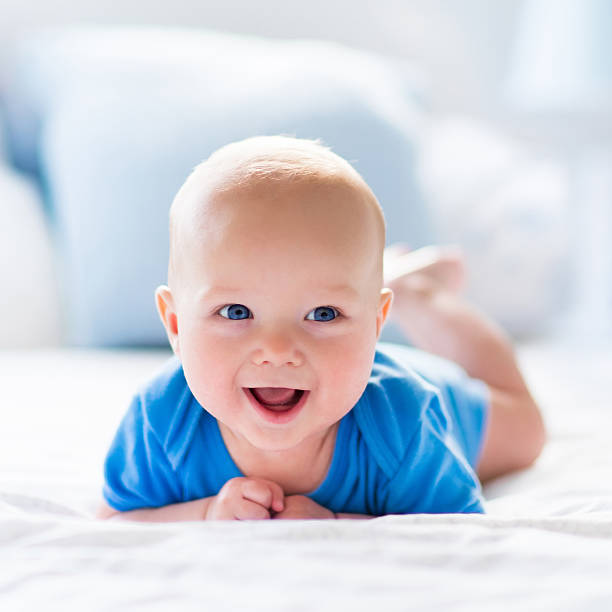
<point>545,544</point>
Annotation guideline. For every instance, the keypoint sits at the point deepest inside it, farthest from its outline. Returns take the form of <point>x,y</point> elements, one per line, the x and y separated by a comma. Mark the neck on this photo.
<point>298,470</point>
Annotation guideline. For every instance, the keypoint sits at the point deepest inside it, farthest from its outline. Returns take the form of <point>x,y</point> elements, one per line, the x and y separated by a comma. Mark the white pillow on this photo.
<point>29,307</point>
<point>508,210</point>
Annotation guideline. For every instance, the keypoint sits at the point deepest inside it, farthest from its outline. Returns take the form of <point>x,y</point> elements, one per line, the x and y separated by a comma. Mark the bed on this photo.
<point>544,544</point>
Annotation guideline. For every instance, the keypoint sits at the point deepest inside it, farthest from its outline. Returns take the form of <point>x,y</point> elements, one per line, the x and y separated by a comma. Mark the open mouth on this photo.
<point>277,398</point>
<point>277,404</point>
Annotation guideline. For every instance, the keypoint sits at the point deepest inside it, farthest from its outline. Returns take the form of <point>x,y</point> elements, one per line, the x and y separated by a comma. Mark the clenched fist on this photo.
<point>244,499</point>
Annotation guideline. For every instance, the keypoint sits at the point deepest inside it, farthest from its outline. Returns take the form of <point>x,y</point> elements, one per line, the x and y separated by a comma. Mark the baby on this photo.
<point>279,403</point>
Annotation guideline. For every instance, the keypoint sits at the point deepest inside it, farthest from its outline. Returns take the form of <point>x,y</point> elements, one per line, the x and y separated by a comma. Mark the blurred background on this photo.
<point>484,124</point>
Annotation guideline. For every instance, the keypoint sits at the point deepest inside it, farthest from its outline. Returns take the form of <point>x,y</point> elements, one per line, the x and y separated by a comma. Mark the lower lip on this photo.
<point>277,417</point>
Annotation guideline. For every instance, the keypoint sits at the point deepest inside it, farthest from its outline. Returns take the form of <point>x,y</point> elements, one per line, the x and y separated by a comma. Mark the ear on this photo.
<point>384,307</point>
<point>167,314</point>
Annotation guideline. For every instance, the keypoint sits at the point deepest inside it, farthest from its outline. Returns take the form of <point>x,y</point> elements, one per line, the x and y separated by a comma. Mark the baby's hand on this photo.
<point>302,507</point>
<point>246,499</point>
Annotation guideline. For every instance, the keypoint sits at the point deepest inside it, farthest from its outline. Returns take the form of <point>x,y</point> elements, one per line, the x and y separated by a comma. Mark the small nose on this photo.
<point>276,348</point>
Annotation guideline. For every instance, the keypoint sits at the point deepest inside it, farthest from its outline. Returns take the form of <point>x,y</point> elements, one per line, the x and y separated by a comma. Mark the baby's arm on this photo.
<point>239,499</point>
<point>352,515</point>
<point>187,511</point>
<point>302,507</point>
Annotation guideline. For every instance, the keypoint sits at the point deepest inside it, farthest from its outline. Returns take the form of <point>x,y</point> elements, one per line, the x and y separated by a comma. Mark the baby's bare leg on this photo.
<point>438,320</point>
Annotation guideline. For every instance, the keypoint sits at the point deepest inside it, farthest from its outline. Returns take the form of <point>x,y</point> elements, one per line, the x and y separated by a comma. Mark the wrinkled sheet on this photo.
<point>545,543</point>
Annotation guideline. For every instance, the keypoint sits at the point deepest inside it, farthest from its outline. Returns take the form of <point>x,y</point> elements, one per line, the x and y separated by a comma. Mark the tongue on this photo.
<point>274,396</point>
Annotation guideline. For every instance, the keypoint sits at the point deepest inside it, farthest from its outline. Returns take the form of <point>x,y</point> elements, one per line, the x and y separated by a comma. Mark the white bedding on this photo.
<point>545,544</point>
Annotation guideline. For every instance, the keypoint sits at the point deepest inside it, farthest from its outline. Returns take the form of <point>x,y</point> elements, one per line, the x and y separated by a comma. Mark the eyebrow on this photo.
<point>211,292</point>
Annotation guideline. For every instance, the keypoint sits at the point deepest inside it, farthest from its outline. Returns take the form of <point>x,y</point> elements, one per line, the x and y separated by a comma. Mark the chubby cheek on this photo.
<point>209,368</point>
<point>344,371</point>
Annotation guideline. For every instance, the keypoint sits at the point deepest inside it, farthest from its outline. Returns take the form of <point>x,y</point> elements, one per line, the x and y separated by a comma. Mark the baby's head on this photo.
<point>275,281</point>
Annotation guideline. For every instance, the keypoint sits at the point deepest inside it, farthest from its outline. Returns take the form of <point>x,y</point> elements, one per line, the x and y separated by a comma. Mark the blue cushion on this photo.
<point>3,138</point>
<point>114,119</point>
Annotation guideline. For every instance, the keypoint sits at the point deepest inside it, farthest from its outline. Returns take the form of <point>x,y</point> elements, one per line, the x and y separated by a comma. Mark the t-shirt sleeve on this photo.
<point>433,475</point>
<point>137,471</point>
<point>467,400</point>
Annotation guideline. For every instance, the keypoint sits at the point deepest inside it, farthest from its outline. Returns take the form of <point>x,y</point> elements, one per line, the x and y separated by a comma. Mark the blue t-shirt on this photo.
<point>409,445</point>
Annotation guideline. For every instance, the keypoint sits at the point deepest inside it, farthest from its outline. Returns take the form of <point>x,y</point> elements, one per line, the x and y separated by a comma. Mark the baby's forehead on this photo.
<point>213,194</point>
<point>275,182</point>
<point>296,215</point>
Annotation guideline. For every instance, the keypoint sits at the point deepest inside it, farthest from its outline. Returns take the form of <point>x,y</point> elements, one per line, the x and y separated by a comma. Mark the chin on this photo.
<point>274,443</point>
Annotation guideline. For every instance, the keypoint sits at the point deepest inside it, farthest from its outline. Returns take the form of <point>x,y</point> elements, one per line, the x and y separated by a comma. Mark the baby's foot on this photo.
<point>442,266</point>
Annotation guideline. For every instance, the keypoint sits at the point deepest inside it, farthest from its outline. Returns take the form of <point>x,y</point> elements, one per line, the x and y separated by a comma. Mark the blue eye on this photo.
<point>322,313</point>
<point>235,312</point>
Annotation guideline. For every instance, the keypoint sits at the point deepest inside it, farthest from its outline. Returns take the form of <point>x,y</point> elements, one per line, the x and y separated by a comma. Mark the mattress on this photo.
<point>544,544</point>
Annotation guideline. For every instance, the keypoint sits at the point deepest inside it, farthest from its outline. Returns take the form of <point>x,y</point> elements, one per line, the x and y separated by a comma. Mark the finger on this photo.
<point>278,496</point>
<point>257,491</point>
<point>247,510</point>
<point>289,514</point>
<point>265,492</point>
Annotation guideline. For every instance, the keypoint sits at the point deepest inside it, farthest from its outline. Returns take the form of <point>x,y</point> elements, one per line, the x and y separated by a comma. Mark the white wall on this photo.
<point>462,44</point>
